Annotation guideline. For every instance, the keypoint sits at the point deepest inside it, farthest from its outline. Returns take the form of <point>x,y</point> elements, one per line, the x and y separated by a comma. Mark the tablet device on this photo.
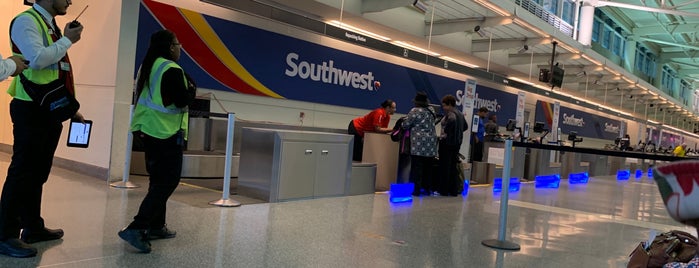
<point>79,133</point>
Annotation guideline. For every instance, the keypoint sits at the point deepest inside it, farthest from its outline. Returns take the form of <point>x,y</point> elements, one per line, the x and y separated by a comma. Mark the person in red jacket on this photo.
<point>375,121</point>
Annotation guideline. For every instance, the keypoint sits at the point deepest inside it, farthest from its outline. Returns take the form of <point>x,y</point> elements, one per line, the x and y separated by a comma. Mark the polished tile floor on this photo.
<point>592,225</point>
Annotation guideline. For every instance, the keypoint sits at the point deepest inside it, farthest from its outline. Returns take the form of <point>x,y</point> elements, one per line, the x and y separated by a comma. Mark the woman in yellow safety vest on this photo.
<point>160,121</point>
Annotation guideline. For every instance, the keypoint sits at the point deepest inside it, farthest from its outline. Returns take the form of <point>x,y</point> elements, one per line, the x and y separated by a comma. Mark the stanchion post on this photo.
<point>225,200</point>
<point>125,183</point>
<point>501,243</point>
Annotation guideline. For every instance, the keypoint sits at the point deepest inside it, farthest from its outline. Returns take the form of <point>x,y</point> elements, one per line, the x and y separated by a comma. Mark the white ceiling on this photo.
<point>449,30</point>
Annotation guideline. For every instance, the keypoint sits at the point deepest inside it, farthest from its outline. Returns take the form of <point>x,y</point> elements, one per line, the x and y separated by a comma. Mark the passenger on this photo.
<point>491,128</point>
<point>420,122</point>
<point>375,121</point>
<point>680,150</point>
<point>477,140</point>
<point>11,66</point>
<point>34,36</point>
<point>453,127</point>
<point>160,119</point>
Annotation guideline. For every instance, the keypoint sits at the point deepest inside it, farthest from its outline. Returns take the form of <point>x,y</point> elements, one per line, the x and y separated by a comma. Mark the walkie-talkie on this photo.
<point>75,22</point>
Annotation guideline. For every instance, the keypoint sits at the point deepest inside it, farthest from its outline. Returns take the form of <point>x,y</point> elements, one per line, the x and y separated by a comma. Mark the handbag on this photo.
<point>53,98</point>
<point>672,246</point>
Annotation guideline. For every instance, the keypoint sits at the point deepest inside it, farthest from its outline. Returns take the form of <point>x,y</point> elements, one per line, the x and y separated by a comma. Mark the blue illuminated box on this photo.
<point>650,172</point>
<point>466,185</point>
<point>578,178</point>
<point>547,181</point>
<point>623,174</point>
<point>514,185</point>
<point>402,192</point>
<point>639,173</point>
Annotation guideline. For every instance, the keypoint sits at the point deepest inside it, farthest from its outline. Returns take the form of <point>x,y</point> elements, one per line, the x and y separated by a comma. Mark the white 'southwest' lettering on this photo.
<point>572,121</point>
<point>327,73</point>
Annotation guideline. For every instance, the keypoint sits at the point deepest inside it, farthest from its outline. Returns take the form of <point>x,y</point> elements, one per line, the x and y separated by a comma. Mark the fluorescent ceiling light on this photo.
<point>611,70</point>
<point>419,49</point>
<point>520,80</point>
<point>528,26</point>
<point>591,59</point>
<point>493,8</point>
<point>447,58</point>
<point>567,47</point>
<point>358,30</point>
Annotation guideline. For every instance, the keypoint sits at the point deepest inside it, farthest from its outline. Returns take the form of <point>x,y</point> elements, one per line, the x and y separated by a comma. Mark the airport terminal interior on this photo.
<point>305,203</point>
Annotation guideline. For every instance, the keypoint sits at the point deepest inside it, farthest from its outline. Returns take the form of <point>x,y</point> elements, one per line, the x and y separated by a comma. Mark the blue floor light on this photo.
<point>467,183</point>
<point>547,181</point>
<point>578,178</point>
<point>650,172</point>
<point>514,185</point>
<point>623,174</point>
<point>639,173</point>
<point>402,192</point>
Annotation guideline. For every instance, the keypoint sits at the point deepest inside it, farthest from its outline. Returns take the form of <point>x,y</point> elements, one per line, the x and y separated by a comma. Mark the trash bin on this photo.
<point>482,172</point>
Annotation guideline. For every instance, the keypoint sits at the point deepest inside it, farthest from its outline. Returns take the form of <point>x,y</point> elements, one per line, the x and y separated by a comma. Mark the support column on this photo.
<point>124,86</point>
<point>587,17</point>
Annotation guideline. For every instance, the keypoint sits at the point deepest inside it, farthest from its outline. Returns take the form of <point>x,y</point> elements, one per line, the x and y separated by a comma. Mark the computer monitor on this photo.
<point>624,143</point>
<point>539,127</point>
<point>511,124</point>
<point>572,135</point>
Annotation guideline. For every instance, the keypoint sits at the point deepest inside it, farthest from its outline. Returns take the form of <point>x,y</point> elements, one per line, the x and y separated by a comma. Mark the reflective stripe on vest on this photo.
<point>151,116</point>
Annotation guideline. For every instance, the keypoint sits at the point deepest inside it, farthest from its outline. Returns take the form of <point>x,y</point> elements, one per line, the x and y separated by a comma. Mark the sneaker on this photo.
<point>14,247</point>
<point>137,238</point>
<point>162,233</point>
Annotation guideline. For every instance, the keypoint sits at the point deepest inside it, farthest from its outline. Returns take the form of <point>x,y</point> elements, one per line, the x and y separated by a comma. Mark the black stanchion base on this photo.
<point>504,244</point>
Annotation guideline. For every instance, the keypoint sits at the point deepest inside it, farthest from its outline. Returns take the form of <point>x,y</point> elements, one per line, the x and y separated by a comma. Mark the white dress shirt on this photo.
<point>7,68</point>
<point>29,39</point>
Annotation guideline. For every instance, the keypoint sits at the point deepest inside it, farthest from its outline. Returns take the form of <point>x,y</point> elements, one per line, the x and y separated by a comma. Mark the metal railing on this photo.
<point>546,16</point>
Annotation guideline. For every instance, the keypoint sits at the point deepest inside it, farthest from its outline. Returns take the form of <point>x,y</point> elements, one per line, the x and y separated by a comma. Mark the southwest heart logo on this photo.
<point>678,183</point>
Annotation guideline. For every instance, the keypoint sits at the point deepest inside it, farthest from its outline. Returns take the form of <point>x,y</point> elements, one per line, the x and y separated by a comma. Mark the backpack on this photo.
<point>398,131</point>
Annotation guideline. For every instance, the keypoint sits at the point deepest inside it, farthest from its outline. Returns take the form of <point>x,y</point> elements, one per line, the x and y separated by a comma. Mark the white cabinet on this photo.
<point>278,165</point>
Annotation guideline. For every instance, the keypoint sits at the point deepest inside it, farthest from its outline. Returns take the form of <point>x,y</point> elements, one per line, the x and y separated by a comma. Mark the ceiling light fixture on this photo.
<point>418,49</point>
<point>447,58</point>
<point>357,30</point>
<point>591,59</point>
<point>493,8</point>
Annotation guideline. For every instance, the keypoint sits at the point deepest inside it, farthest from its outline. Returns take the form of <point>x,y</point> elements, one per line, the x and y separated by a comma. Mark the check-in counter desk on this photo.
<point>597,162</point>
<point>380,149</point>
<point>279,165</point>
<point>493,152</point>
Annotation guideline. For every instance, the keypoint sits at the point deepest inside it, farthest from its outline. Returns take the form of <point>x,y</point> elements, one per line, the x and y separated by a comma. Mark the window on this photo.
<point>606,37</point>
<point>596,26</point>
<point>568,12</point>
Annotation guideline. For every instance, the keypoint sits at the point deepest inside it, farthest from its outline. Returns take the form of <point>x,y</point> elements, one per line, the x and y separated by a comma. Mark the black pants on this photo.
<point>420,171</point>
<point>164,164</point>
<point>477,152</point>
<point>448,180</point>
<point>35,142</point>
<point>358,142</point>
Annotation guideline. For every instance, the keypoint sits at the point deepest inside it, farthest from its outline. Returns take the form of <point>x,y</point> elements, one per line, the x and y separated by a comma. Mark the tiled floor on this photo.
<point>592,225</point>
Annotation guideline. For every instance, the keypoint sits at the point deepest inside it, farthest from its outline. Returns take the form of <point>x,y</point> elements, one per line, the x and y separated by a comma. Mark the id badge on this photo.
<point>65,66</point>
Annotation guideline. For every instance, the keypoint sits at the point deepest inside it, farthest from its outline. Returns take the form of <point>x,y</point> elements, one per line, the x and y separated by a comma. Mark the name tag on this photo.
<point>65,66</point>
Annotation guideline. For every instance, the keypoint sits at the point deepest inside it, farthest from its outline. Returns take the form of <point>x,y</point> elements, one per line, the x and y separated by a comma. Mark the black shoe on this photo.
<point>162,233</point>
<point>137,238</point>
<point>44,234</point>
<point>14,247</point>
